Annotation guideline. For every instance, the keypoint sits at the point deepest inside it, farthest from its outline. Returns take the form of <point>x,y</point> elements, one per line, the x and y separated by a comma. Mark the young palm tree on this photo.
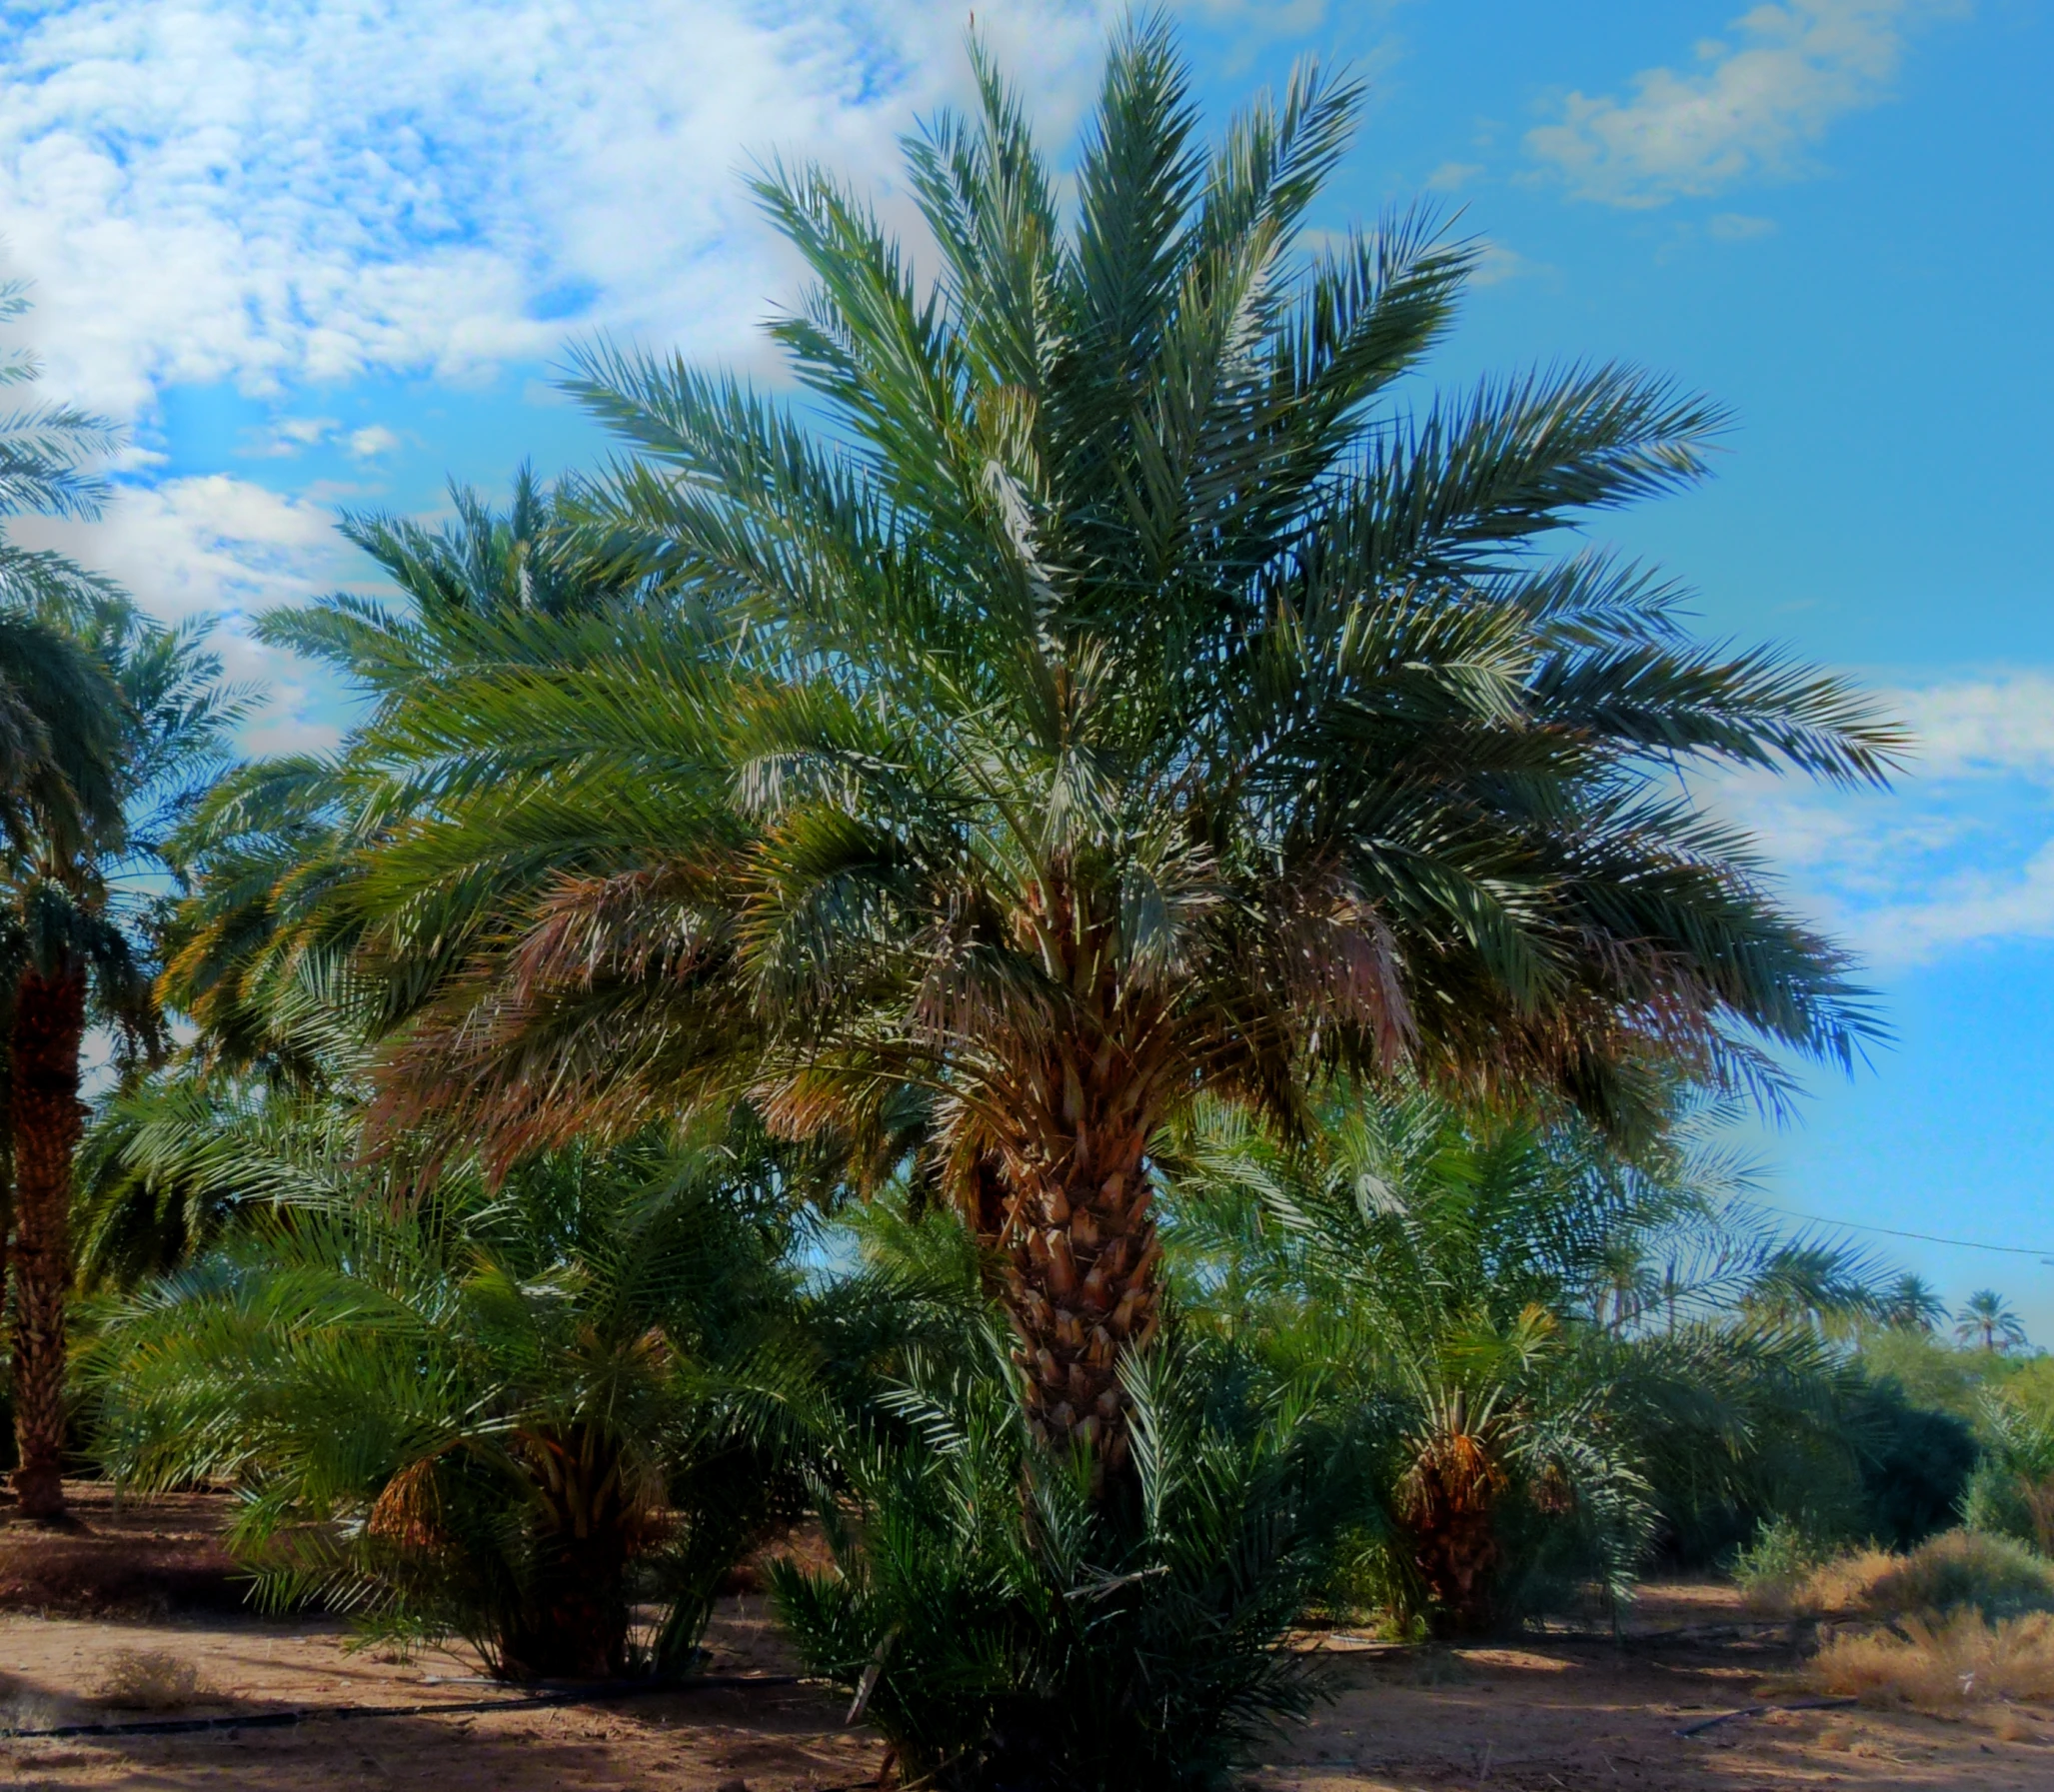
<point>1988,1322</point>
<point>509,1417</point>
<point>74,908</point>
<point>1453,1273</point>
<point>1121,696</point>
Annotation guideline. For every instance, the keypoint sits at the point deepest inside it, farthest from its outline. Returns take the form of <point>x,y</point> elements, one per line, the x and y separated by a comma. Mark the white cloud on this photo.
<point>1451,177</point>
<point>1959,855</point>
<point>209,190</point>
<point>372,441</point>
<point>1755,106</point>
<point>1737,227</point>
<point>223,547</point>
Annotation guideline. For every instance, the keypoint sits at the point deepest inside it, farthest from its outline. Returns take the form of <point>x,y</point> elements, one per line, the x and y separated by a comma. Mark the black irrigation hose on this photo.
<point>285,1720</point>
<point>1726,1717</point>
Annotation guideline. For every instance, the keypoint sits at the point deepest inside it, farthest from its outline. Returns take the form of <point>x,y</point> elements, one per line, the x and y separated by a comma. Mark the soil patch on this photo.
<point>1567,1711</point>
<point>134,1558</point>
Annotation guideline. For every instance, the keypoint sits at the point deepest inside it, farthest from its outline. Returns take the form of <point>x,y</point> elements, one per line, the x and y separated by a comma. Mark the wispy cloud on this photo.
<point>210,190</point>
<point>1757,102</point>
<point>1960,854</point>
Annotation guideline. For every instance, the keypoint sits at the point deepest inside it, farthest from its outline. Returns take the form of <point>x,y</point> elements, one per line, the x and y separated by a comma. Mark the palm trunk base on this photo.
<point>39,1496</point>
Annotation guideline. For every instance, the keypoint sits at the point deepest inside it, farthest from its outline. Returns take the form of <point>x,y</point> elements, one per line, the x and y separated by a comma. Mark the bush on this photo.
<point>1915,1463</point>
<point>2011,1493</point>
<point>1782,1557</point>
<point>1960,1570</point>
<point>151,1680</point>
<point>1008,1631</point>
<point>1942,1666</point>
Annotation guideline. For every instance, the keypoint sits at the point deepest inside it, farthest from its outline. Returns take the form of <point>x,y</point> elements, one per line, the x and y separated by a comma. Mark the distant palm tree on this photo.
<point>75,913</point>
<point>1989,1322</point>
<point>1913,1304</point>
<point>1122,698</point>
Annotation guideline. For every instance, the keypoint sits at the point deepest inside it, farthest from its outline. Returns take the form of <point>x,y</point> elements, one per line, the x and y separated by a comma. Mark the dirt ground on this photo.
<point>1557,1712</point>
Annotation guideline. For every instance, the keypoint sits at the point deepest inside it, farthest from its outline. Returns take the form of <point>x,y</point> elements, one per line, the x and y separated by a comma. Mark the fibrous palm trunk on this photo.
<point>1079,1237</point>
<point>49,1026</point>
<point>591,1526</point>
<point>1450,1508</point>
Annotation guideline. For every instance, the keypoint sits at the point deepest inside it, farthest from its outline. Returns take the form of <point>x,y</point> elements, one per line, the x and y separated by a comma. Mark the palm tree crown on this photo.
<point>1914,1303</point>
<point>1989,1322</point>
<point>1104,693</point>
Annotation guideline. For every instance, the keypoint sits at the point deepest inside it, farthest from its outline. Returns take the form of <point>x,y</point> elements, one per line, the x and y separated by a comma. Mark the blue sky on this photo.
<point>325,251</point>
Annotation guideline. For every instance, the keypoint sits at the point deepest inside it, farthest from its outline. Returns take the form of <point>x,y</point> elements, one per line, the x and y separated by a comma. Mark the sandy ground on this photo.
<point>1564,1711</point>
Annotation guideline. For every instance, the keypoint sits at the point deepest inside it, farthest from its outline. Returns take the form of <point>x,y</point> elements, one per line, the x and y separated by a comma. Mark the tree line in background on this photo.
<point>1080,955</point>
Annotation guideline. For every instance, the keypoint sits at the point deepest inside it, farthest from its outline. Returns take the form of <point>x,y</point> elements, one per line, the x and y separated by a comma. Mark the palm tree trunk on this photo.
<point>49,1026</point>
<point>1081,1255</point>
<point>576,1622</point>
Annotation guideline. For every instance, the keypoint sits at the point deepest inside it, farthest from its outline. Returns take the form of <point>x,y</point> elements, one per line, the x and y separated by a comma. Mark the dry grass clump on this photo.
<point>150,1680</point>
<point>1952,1572</point>
<point>1942,1666</point>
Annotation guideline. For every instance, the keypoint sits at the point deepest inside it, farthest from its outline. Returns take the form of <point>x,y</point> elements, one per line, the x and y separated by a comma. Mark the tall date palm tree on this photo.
<point>1107,690</point>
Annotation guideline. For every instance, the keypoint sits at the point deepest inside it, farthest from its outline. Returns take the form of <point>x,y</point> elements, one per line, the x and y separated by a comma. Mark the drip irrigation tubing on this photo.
<point>598,1693</point>
<point>1727,1717</point>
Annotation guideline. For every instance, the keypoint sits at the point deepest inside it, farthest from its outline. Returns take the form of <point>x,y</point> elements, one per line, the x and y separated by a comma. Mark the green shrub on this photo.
<point>1961,1570</point>
<point>1965,1568</point>
<point>1008,1631</point>
<point>1995,1503</point>
<point>1783,1554</point>
<point>1914,1462</point>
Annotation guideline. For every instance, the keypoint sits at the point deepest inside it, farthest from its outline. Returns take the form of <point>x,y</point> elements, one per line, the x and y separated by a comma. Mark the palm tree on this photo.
<point>75,907</point>
<point>1452,1274</point>
<point>505,1415</point>
<point>1987,1321</point>
<point>64,730</point>
<point>276,848</point>
<point>1914,1305</point>
<point>1122,698</point>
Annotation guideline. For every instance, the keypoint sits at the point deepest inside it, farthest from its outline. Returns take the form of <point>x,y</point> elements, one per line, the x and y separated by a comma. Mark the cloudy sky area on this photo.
<point>325,253</point>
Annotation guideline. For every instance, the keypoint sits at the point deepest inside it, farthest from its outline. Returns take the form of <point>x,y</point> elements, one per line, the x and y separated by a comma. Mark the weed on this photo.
<point>1942,1666</point>
<point>151,1680</point>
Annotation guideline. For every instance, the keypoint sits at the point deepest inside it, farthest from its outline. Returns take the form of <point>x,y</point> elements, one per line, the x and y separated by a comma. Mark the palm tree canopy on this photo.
<point>1988,1320</point>
<point>59,712</point>
<point>1914,1303</point>
<point>277,847</point>
<point>1120,659</point>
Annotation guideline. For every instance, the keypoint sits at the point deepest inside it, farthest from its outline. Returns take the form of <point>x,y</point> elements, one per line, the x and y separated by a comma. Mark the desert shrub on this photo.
<point>1959,1571</point>
<point>1965,1569</point>
<point>1782,1557</point>
<point>1005,1627</point>
<point>1942,1665</point>
<point>151,1680</point>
